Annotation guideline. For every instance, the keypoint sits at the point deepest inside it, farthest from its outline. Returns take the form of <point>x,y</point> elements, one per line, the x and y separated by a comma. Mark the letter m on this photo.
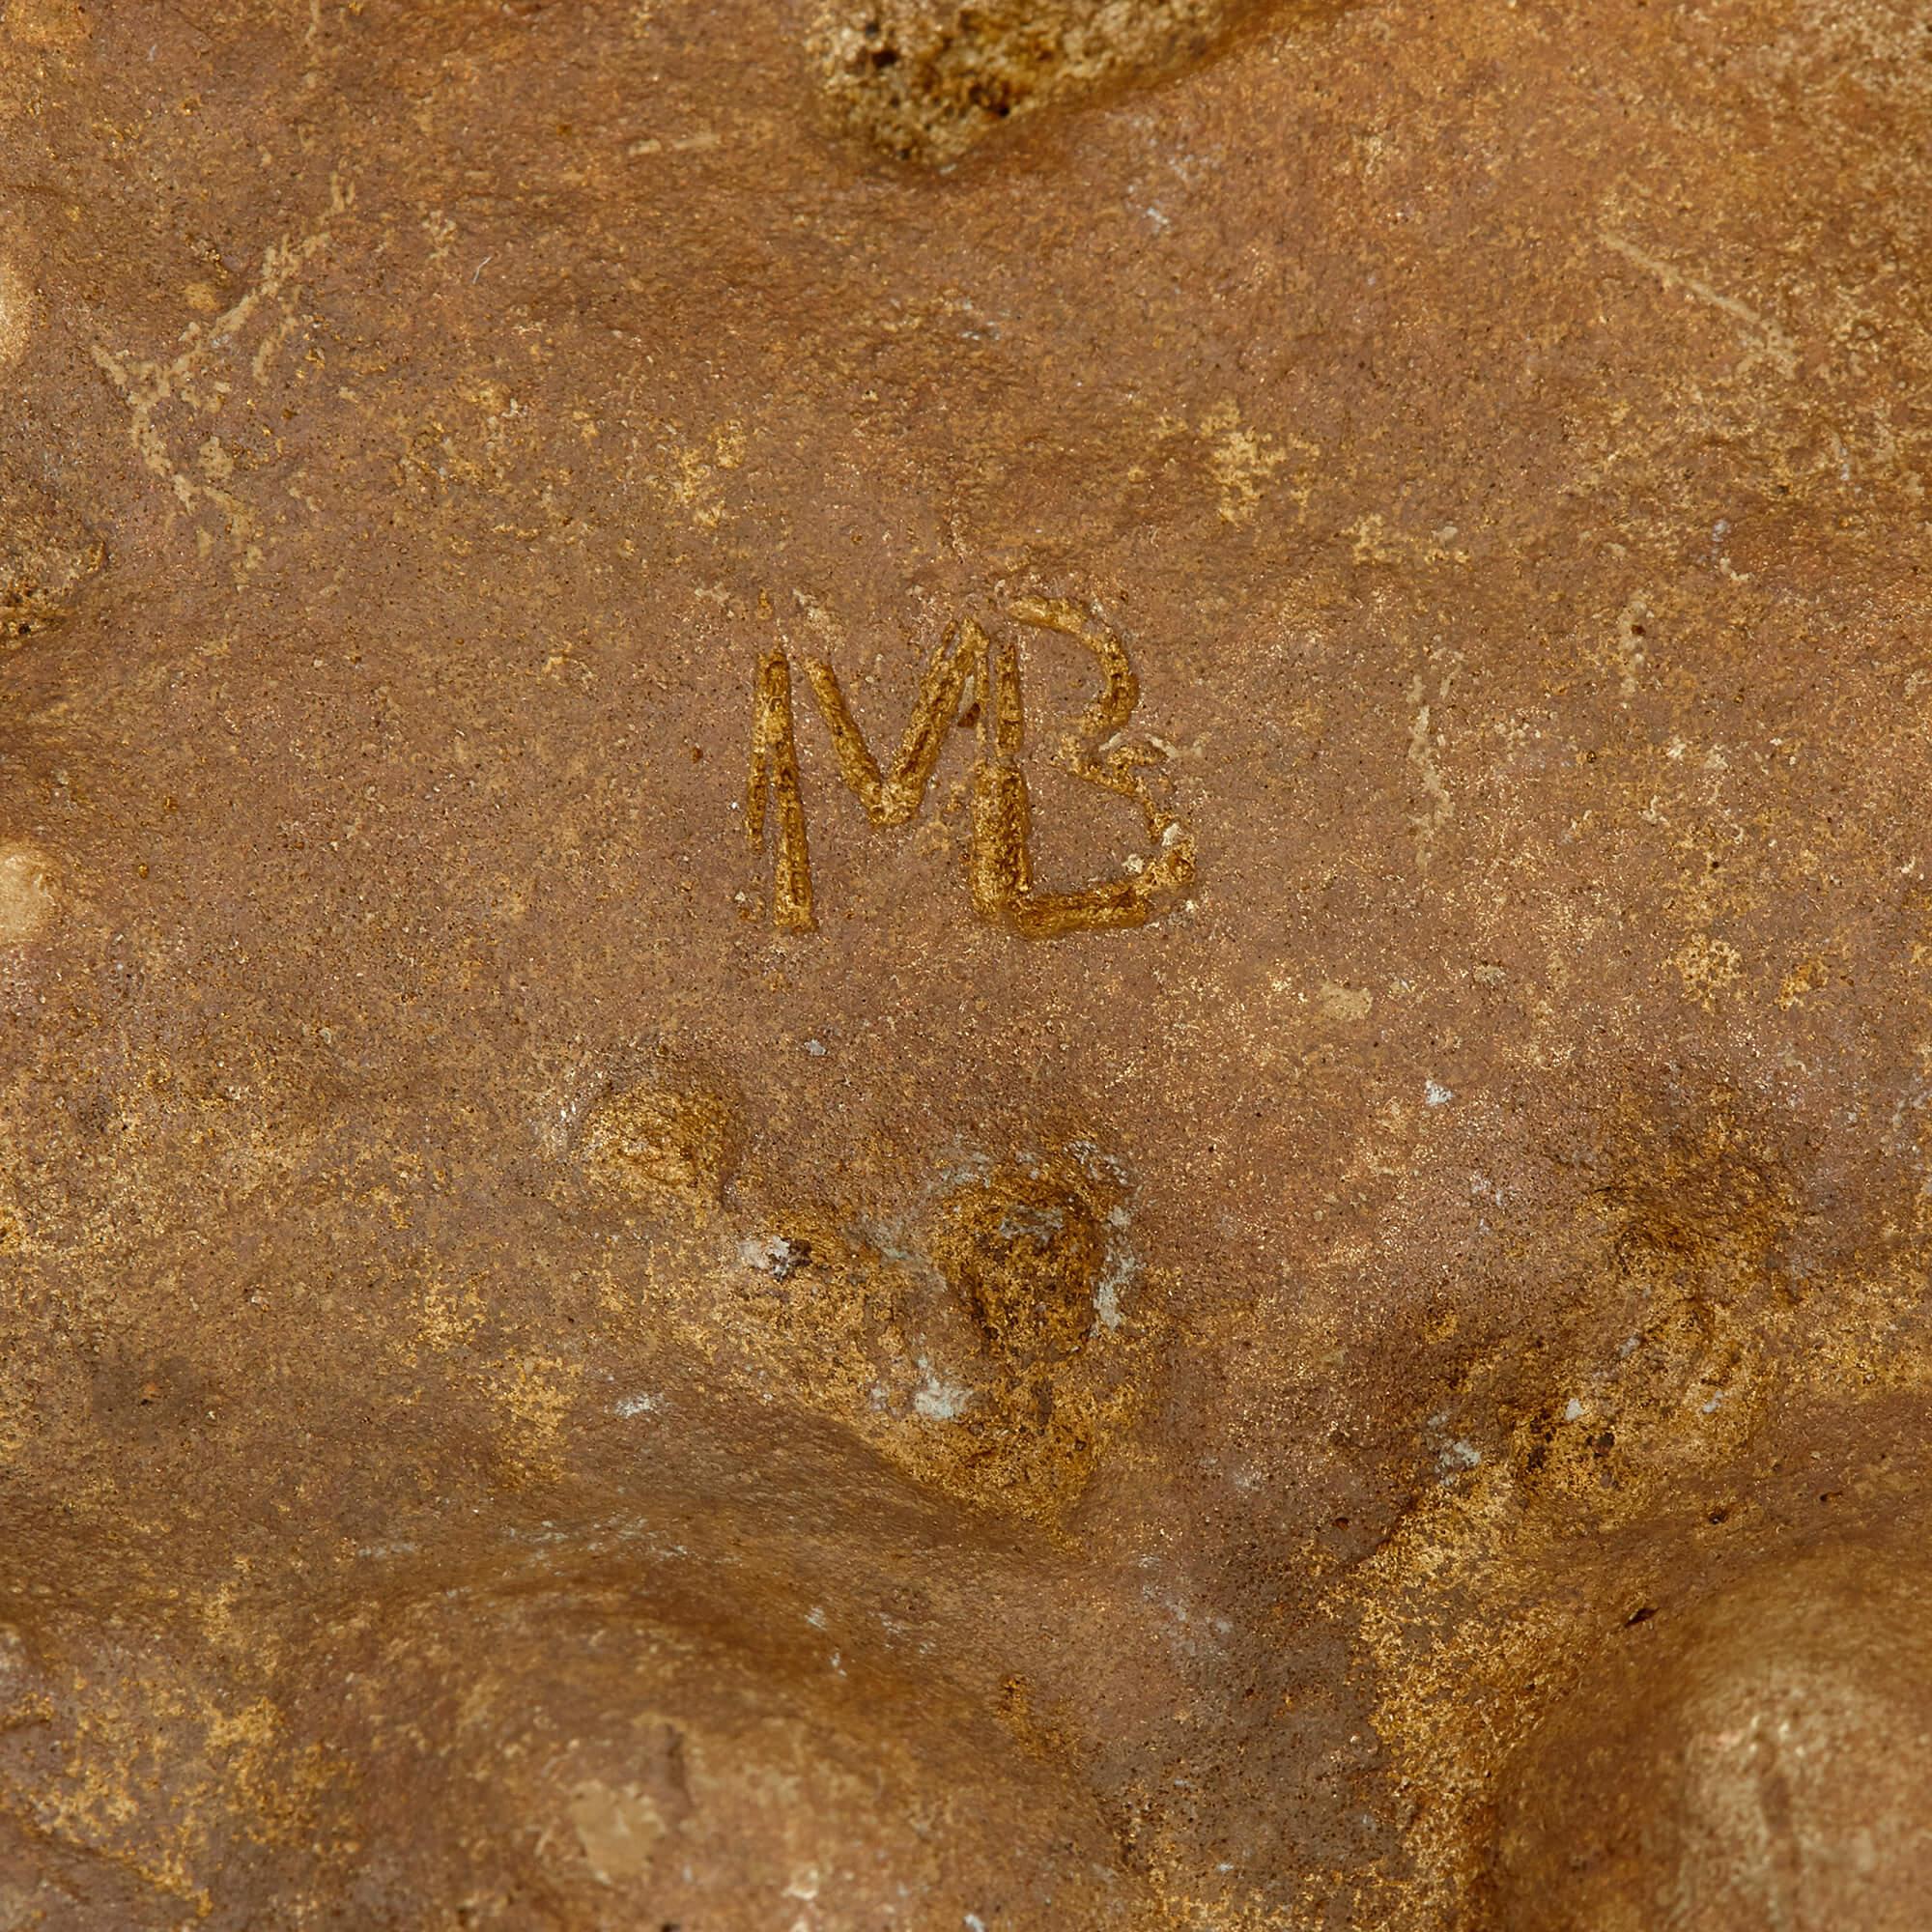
<point>892,797</point>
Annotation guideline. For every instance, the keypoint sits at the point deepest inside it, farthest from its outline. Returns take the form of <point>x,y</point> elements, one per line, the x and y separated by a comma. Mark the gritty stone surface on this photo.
<point>988,990</point>
<point>1764,1762</point>
<point>26,901</point>
<point>16,312</point>
<point>927,80</point>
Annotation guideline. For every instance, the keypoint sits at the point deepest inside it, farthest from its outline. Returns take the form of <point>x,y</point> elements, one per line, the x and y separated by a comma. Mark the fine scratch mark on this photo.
<point>1776,345</point>
<point>1422,741</point>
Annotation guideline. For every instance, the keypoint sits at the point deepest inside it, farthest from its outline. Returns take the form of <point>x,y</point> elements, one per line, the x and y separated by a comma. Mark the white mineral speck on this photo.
<point>938,1400</point>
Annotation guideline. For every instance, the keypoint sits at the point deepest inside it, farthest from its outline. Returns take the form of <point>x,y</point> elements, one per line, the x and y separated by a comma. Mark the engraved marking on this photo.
<point>775,769</point>
<point>1092,751</point>
<point>1000,857</point>
<point>893,798</point>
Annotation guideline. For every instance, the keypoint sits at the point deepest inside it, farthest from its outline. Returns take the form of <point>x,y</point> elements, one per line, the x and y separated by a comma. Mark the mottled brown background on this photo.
<point>1392,1395</point>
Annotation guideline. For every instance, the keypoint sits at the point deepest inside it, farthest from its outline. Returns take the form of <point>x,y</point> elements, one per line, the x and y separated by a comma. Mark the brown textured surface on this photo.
<point>1385,1387</point>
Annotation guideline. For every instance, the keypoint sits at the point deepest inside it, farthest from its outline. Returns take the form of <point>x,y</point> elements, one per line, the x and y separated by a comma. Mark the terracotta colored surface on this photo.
<point>1265,1266</point>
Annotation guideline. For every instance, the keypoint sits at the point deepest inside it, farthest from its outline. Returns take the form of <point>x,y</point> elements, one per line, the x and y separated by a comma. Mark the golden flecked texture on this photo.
<point>964,966</point>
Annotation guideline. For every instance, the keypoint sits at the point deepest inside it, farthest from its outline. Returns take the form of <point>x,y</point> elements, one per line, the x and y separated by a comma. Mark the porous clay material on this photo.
<point>965,967</point>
